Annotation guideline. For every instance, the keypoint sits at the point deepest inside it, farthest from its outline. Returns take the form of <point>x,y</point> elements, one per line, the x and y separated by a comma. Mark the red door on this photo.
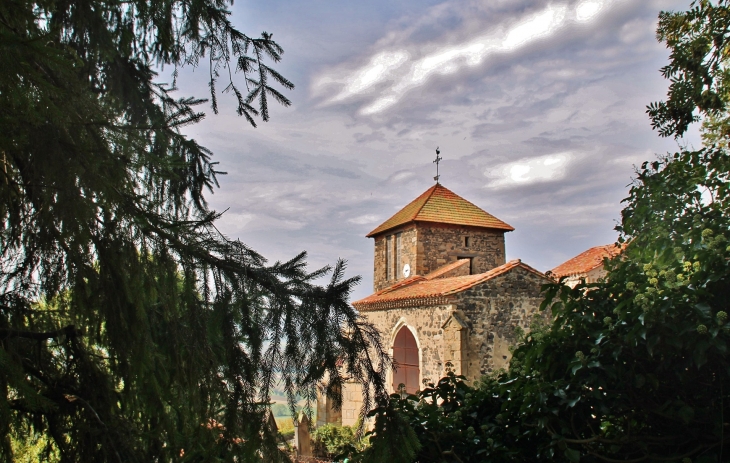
<point>405,354</point>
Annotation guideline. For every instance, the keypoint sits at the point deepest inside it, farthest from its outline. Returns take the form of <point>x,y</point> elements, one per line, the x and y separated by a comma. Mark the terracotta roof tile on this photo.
<point>416,290</point>
<point>446,269</point>
<point>408,281</point>
<point>441,205</point>
<point>586,261</point>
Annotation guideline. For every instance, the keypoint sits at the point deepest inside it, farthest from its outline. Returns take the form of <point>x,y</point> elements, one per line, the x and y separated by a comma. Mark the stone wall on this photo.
<point>379,280</point>
<point>456,345</point>
<point>441,244</point>
<point>351,403</point>
<point>406,255</point>
<point>302,437</point>
<point>326,411</point>
<point>427,246</point>
<point>493,310</point>
<point>473,333</point>
<point>426,325</point>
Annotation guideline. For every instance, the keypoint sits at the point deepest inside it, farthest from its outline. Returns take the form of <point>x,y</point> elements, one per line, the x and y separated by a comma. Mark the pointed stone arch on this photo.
<point>406,353</point>
<point>456,333</point>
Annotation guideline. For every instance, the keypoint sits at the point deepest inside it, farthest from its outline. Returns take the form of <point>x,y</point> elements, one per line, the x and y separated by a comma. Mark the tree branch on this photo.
<point>69,331</point>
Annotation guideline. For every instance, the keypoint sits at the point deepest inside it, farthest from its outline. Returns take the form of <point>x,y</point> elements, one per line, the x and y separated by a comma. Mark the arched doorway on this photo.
<point>405,353</point>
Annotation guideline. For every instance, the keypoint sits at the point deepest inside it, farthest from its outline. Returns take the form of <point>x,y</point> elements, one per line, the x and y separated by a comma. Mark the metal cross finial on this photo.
<point>438,159</point>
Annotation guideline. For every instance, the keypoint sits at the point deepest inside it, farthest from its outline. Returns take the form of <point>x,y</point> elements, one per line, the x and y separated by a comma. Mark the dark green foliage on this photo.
<point>392,438</point>
<point>448,419</point>
<point>130,328</point>
<point>698,40</point>
<point>335,442</point>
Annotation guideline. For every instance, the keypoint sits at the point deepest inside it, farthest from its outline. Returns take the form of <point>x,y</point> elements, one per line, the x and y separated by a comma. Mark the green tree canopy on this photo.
<point>130,328</point>
<point>700,80</point>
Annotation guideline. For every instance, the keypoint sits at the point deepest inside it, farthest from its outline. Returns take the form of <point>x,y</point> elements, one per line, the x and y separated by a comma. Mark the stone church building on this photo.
<point>445,299</point>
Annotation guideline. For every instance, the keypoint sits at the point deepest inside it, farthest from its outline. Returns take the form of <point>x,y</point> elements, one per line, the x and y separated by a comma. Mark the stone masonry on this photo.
<point>469,332</point>
<point>462,304</point>
<point>392,251</point>
<point>426,327</point>
<point>440,244</point>
<point>490,312</point>
<point>494,310</point>
<point>426,246</point>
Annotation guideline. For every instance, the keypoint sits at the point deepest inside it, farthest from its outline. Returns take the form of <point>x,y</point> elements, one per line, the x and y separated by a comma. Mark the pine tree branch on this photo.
<point>69,331</point>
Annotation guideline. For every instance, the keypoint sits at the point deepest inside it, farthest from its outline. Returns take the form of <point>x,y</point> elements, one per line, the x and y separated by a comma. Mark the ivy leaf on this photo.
<point>686,413</point>
<point>703,309</point>
<point>572,455</point>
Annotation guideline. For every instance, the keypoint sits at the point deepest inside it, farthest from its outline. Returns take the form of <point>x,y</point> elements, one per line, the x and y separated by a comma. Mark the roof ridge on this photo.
<point>446,268</point>
<point>402,284</point>
<point>425,201</point>
<point>488,275</point>
<point>462,198</point>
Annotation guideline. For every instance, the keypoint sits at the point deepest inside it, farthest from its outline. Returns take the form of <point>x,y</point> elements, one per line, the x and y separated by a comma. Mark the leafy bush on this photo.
<point>34,448</point>
<point>333,441</point>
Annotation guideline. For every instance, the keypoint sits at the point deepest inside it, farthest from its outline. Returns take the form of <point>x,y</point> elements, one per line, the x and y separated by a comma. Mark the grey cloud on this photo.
<point>566,37</point>
<point>320,177</point>
<point>556,143</point>
<point>368,137</point>
<point>344,173</point>
<point>400,176</point>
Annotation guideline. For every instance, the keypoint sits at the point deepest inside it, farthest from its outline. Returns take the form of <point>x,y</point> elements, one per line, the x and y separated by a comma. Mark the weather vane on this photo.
<point>438,159</point>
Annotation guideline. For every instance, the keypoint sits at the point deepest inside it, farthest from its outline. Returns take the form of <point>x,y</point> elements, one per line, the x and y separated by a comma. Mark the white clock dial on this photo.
<point>406,271</point>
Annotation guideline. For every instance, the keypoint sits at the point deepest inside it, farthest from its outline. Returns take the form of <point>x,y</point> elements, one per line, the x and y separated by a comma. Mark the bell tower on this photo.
<point>437,228</point>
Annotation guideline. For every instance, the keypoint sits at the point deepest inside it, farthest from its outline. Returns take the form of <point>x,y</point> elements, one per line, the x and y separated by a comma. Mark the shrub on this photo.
<point>333,441</point>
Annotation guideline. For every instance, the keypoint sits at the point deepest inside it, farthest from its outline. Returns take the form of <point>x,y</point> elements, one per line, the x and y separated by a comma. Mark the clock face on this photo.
<point>406,271</point>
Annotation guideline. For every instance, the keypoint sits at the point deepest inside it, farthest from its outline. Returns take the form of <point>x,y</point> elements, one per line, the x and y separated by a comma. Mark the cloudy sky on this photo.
<point>538,108</point>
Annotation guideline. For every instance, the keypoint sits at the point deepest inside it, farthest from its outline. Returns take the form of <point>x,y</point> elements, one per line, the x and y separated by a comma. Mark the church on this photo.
<point>445,299</point>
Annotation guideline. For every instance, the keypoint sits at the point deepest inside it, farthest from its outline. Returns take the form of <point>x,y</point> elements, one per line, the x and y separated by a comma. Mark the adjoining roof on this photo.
<point>418,290</point>
<point>441,205</point>
<point>586,261</point>
<point>442,271</point>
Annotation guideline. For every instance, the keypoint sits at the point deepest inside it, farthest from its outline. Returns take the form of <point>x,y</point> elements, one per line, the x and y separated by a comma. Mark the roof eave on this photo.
<point>432,299</point>
<point>377,232</point>
<point>577,273</point>
<point>428,301</point>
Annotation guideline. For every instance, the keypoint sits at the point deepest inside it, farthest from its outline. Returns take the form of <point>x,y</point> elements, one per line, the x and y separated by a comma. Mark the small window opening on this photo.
<point>388,257</point>
<point>466,241</point>
<point>397,251</point>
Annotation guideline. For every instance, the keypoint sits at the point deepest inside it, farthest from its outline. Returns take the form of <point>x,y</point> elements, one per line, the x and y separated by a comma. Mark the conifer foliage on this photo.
<point>130,328</point>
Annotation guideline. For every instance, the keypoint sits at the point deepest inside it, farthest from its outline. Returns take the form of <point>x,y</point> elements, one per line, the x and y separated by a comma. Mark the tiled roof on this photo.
<point>586,261</point>
<point>441,205</point>
<point>446,269</point>
<point>421,291</point>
